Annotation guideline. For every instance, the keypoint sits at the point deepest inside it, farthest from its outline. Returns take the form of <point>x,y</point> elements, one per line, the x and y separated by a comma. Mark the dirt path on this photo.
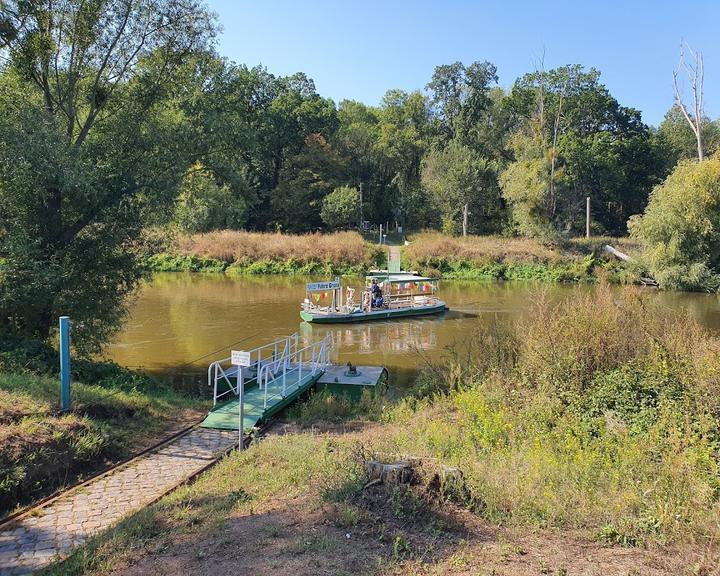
<point>37,539</point>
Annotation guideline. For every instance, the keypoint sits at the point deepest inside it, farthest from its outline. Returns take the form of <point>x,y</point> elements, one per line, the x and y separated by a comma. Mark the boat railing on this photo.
<point>272,355</point>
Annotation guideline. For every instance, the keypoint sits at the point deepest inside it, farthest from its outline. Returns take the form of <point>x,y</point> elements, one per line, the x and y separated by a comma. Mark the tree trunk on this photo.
<point>465,219</point>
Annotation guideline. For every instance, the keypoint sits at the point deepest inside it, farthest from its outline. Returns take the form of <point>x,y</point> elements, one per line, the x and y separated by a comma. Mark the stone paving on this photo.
<point>50,533</point>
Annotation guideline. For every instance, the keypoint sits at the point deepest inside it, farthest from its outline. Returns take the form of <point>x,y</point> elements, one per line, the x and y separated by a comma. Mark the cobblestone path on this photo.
<point>35,540</point>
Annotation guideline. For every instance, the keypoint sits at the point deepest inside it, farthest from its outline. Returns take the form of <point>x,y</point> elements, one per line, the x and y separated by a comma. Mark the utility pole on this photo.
<point>361,208</point>
<point>587,217</point>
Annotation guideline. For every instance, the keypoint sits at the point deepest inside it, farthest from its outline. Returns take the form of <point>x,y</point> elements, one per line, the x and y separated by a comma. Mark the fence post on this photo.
<point>587,217</point>
<point>64,363</point>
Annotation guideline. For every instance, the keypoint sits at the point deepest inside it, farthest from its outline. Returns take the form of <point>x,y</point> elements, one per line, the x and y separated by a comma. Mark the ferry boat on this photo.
<point>385,295</point>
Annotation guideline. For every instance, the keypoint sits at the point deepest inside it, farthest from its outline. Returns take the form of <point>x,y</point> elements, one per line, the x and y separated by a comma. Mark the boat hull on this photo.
<point>374,315</point>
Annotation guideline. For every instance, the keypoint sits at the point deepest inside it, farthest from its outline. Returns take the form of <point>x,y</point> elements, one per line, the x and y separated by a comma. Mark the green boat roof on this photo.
<point>399,277</point>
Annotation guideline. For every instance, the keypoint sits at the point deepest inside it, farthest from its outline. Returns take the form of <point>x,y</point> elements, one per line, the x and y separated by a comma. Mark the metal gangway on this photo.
<point>274,376</point>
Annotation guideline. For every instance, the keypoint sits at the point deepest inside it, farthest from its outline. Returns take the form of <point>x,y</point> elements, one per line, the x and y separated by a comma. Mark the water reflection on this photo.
<point>181,322</point>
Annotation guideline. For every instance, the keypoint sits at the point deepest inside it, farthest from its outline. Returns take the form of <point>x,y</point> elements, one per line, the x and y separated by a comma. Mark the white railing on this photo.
<point>271,354</point>
<point>296,365</point>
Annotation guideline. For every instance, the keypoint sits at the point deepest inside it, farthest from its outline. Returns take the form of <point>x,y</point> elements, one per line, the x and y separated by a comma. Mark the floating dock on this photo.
<point>341,380</point>
<point>275,375</point>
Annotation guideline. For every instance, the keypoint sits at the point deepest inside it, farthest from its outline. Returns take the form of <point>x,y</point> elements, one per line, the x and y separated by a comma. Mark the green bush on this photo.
<point>205,205</point>
<point>680,228</point>
<point>341,208</point>
<point>575,418</point>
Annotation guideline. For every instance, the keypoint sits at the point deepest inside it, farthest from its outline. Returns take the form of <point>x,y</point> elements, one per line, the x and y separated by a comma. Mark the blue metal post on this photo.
<point>64,363</point>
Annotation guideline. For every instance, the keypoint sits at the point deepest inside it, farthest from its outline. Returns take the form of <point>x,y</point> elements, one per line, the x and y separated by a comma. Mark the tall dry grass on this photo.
<point>236,246</point>
<point>428,246</point>
<point>598,413</point>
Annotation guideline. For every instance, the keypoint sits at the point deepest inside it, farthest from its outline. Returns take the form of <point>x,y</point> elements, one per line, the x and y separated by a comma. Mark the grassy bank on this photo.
<point>491,258</point>
<point>586,436</point>
<point>115,412</point>
<point>598,414</point>
<point>254,253</point>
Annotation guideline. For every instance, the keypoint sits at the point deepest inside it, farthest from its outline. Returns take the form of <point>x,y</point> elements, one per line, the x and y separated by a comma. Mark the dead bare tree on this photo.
<point>695,70</point>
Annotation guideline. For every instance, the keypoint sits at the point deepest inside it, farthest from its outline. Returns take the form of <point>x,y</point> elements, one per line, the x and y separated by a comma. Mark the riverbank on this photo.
<point>492,258</point>
<point>253,253</point>
<point>481,258</point>
<point>581,442</point>
<point>115,413</point>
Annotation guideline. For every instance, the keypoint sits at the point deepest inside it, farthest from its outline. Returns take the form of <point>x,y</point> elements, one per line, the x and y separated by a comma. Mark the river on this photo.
<point>179,323</point>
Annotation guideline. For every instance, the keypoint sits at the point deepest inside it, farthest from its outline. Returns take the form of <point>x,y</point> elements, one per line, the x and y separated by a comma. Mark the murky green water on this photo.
<point>182,322</point>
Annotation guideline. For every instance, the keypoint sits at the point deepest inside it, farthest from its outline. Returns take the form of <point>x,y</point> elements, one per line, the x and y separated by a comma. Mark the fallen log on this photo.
<point>615,252</point>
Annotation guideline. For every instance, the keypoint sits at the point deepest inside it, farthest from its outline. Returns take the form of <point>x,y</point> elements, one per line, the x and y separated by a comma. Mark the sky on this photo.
<point>359,50</point>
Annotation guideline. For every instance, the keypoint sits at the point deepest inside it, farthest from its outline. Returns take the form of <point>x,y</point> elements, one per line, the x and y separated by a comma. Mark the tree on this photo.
<point>695,71</point>
<point>341,208</point>
<point>592,146</point>
<point>88,134</point>
<point>461,97</point>
<point>204,204</point>
<point>680,229</point>
<point>459,179</point>
<point>305,180</point>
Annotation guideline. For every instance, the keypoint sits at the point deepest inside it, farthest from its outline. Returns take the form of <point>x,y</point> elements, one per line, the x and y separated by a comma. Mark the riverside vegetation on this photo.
<point>434,254</point>
<point>596,416</point>
<point>115,412</point>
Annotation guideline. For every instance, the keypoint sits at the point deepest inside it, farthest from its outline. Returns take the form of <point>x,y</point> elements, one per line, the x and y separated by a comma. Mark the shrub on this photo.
<point>341,208</point>
<point>599,412</point>
<point>680,228</point>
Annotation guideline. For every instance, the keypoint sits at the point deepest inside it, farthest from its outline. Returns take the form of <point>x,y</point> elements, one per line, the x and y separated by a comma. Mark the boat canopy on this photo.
<point>398,278</point>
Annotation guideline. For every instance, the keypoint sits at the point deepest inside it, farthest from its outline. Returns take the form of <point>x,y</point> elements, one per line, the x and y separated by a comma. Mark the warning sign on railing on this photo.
<point>240,358</point>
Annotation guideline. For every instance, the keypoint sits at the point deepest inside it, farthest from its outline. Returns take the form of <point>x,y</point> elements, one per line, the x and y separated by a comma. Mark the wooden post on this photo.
<point>587,217</point>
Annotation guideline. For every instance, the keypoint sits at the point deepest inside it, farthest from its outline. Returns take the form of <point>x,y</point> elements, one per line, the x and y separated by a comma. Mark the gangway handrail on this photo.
<point>319,358</point>
<point>259,356</point>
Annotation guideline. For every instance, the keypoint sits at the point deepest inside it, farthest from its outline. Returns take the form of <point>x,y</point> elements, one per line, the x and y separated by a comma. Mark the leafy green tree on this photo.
<point>305,180</point>
<point>589,144</point>
<point>204,204</point>
<point>402,142</point>
<point>680,229</point>
<point>461,183</point>
<point>87,135</point>
<point>461,98</point>
<point>525,184</point>
<point>341,208</point>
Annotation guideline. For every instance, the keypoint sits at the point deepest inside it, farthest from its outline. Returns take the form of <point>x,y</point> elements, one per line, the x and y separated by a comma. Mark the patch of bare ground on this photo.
<point>300,538</point>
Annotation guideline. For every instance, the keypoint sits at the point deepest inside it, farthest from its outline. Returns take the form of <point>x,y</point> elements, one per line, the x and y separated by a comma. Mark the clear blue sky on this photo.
<point>360,49</point>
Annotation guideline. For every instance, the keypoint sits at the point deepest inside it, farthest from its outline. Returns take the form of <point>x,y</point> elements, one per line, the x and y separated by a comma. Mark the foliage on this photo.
<point>576,419</point>
<point>679,228</point>
<point>87,131</point>
<point>340,208</point>
<point>203,205</point>
<point>456,176</point>
<point>573,140</point>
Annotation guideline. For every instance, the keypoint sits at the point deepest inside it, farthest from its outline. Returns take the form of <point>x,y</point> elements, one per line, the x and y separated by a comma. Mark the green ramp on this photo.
<point>225,416</point>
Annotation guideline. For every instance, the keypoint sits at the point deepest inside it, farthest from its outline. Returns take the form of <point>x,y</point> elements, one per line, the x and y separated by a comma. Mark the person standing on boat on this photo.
<point>377,298</point>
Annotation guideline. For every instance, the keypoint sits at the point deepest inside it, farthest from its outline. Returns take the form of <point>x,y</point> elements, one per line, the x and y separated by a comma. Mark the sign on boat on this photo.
<point>385,295</point>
